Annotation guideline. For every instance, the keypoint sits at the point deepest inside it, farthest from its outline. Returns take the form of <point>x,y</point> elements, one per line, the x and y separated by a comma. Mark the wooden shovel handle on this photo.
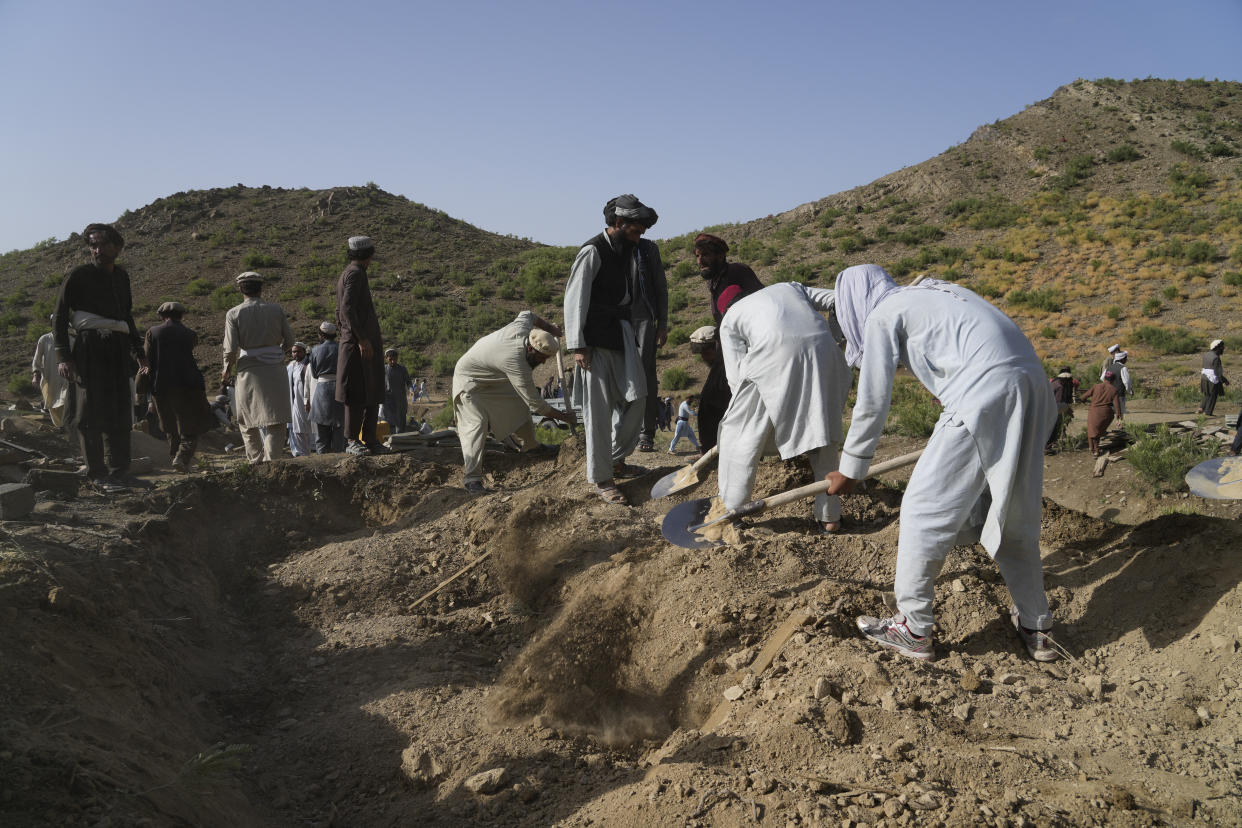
<point>698,465</point>
<point>820,486</point>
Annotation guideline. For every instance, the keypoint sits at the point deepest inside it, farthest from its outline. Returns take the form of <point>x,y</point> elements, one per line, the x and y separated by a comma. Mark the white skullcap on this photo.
<point>543,342</point>
<point>707,333</point>
<point>327,327</point>
<point>358,243</point>
<point>301,345</point>
<point>1112,349</point>
<point>249,276</point>
<point>1215,344</point>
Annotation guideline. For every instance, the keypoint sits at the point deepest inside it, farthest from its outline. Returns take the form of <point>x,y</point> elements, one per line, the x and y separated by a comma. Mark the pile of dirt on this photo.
<point>250,647</point>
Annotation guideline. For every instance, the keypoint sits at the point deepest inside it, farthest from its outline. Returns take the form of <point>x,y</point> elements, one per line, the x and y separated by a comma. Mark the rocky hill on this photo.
<point>1109,212</point>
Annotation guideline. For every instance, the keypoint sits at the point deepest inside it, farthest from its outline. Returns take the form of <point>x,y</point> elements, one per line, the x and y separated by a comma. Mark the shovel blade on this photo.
<point>680,518</point>
<point>675,482</point>
<point>1219,478</point>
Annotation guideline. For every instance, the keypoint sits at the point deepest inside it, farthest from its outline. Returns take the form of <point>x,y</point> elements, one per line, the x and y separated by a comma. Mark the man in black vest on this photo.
<point>177,385</point>
<point>613,273</point>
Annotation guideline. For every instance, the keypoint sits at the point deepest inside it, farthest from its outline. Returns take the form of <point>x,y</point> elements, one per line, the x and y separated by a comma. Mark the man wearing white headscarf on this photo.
<point>789,382</point>
<point>1120,379</point>
<point>609,275</point>
<point>494,390</point>
<point>981,476</point>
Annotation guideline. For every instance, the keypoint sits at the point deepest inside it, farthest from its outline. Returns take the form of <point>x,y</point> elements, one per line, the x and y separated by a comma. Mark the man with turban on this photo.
<point>494,390</point>
<point>613,274</point>
<point>96,303</point>
<point>1120,379</point>
<point>177,385</point>
<point>719,273</point>
<point>789,383</point>
<point>360,361</point>
<point>326,413</point>
<point>1212,380</point>
<point>981,475</point>
<point>256,336</point>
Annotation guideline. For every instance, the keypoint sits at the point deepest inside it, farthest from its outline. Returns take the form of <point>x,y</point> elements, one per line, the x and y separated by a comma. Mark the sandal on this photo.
<point>646,445</point>
<point>624,470</point>
<point>609,493</point>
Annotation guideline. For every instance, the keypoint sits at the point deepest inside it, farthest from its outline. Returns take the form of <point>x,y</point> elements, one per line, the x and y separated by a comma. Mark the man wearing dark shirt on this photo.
<point>360,361</point>
<point>710,252</point>
<point>326,413</point>
<point>95,300</point>
<point>177,384</point>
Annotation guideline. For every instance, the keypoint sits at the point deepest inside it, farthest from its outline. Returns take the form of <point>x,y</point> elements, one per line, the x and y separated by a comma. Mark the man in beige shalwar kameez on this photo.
<point>494,390</point>
<point>256,337</point>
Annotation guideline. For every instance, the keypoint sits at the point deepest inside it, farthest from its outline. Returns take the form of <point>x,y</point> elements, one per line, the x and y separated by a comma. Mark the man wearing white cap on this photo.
<point>1212,380</point>
<point>326,413</point>
<point>360,362</point>
<point>494,390</point>
<point>980,478</point>
<point>256,336</point>
<point>177,385</point>
<point>789,383</point>
<point>1121,379</point>
<point>301,428</point>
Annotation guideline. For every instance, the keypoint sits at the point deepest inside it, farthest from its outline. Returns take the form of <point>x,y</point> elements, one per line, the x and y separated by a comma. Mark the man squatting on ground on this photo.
<point>610,383</point>
<point>981,476</point>
<point>719,273</point>
<point>789,383</point>
<point>177,385</point>
<point>326,413</point>
<point>256,336</point>
<point>494,390</point>
<point>95,300</point>
<point>360,361</point>
<point>301,429</point>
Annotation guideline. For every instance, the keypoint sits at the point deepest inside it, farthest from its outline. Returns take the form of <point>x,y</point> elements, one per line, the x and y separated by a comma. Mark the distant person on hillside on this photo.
<point>1113,350</point>
<point>1101,399</point>
<point>301,383</point>
<point>1063,386</point>
<point>683,428</point>
<point>360,365</point>
<point>326,413</point>
<point>1212,379</point>
<point>980,478</point>
<point>710,252</point>
<point>53,388</point>
<point>256,336</point>
<point>96,304</point>
<point>177,385</point>
<point>789,382</point>
<point>612,274</point>
<point>494,390</point>
<point>396,385</point>
<point>1121,381</point>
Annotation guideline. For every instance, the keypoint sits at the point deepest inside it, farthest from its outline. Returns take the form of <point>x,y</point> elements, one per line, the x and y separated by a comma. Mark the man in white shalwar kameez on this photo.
<point>45,376</point>
<point>301,385</point>
<point>256,336</point>
<point>789,382</point>
<point>494,390</point>
<point>609,380</point>
<point>981,476</point>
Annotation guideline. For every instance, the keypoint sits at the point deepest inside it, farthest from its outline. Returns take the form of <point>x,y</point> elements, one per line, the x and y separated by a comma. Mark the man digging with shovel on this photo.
<point>981,476</point>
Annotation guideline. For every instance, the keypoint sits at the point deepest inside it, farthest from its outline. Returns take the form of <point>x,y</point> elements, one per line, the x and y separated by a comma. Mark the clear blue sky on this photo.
<point>524,118</point>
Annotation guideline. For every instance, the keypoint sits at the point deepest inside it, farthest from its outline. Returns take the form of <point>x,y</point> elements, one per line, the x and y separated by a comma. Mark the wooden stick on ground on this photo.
<point>451,578</point>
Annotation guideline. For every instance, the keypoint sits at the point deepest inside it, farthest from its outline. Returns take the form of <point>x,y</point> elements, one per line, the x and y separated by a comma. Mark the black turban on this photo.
<point>629,208</point>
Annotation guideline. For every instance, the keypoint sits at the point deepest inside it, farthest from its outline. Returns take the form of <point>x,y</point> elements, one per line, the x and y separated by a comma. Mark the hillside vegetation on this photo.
<point>1109,212</point>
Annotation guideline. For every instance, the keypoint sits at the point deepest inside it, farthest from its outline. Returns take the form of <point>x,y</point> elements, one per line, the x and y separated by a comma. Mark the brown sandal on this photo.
<point>609,493</point>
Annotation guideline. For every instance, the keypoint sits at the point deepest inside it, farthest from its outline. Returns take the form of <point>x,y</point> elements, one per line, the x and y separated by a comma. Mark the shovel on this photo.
<point>1219,478</point>
<point>683,478</point>
<point>683,523</point>
<point>569,407</point>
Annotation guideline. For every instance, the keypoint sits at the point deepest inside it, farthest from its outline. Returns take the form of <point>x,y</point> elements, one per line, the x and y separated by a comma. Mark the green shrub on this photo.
<point>1125,152</point>
<point>1171,292</point>
<point>1200,251</point>
<point>1187,395</point>
<point>1221,149</point>
<point>1048,332</point>
<point>920,234</point>
<point>1186,148</point>
<point>444,363</point>
<point>199,287</point>
<point>1162,458</point>
<point>1232,278</point>
<point>443,419</point>
<point>1047,299</point>
<point>19,385</point>
<point>1077,170</point>
<point>254,259</point>
<point>679,335</point>
<point>675,379</point>
<point>225,297</point>
<point>1166,340</point>
<point>1114,312</point>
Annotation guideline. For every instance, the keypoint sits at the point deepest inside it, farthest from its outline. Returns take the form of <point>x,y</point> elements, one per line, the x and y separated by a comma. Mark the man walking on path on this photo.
<point>789,383</point>
<point>710,252</point>
<point>96,303</point>
<point>326,413</point>
<point>683,429</point>
<point>610,380</point>
<point>494,390</point>
<point>53,388</point>
<point>360,362</point>
<point>981,476</point>
<point>177,385</point>
<point>301,428</point>
<point>396,385</point>
<point>1120,380</point>
<point>1212,380</point>
<point>256,336</point>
